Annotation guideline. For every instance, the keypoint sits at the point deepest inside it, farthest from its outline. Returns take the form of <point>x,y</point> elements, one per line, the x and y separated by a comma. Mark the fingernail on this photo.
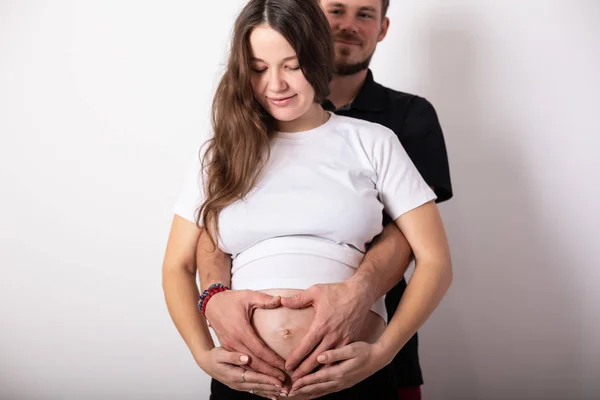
<point>278,386</point>
<point>283,394</point>
<point>321,358</point>
<point>244,358</point>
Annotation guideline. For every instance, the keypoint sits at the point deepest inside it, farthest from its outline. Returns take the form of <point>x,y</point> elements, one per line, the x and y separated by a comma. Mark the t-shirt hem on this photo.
<point>416,203</point>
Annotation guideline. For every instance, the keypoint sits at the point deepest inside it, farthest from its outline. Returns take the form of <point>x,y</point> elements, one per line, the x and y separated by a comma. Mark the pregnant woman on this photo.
<point>291,196</point>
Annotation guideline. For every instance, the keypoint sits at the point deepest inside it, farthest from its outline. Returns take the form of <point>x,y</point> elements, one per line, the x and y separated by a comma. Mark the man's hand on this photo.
<point>229,314</point>
<point>340,312</point>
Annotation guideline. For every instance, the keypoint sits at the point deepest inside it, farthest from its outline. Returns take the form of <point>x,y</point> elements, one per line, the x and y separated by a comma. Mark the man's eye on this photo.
<point>365,16</point>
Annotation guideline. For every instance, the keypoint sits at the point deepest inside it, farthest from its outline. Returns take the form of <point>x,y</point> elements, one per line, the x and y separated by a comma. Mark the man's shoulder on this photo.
<point>409,114</point>
<point>405,101</point>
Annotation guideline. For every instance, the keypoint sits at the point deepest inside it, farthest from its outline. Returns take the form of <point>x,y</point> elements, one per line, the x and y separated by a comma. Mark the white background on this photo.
<point>103,104</point>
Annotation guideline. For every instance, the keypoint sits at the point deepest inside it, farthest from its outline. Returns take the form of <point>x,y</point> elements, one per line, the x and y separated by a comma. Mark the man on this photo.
<point>357,26</point>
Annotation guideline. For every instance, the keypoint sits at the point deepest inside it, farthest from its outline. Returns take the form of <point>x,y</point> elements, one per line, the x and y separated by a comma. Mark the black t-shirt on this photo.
<point>414,120</point>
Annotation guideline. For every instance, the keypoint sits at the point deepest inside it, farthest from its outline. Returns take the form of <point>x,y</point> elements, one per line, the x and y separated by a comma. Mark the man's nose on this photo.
<point>348,25</point>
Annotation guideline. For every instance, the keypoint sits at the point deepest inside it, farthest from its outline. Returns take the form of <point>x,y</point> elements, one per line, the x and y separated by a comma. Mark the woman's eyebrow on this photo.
<point>285,59</point>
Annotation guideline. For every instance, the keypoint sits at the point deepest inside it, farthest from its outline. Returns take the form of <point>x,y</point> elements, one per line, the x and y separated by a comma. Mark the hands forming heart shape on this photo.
<point>327,359</point>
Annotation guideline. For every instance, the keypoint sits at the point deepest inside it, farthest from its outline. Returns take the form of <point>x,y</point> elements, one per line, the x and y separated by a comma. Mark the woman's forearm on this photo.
<point>181,295</point>
<point>426,288</point>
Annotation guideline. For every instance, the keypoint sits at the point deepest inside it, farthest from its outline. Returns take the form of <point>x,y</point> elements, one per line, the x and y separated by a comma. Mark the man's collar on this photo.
<point>371,97</point>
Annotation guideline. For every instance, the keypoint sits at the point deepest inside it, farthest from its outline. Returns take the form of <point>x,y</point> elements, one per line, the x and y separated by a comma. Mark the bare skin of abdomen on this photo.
<point>282,328</point>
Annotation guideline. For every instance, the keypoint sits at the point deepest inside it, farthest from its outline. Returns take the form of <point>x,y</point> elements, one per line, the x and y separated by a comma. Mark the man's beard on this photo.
<point>345,69</point>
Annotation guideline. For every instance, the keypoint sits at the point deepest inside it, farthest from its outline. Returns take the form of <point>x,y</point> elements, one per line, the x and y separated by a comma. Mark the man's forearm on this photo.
<point>213,265</point>
<point>384,264</point>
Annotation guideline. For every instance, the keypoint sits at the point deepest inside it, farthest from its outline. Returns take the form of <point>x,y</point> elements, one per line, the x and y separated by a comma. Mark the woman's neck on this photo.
<point>313,118</point>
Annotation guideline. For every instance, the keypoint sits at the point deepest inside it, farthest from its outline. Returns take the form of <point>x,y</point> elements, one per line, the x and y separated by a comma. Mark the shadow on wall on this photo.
<point>509,327</point>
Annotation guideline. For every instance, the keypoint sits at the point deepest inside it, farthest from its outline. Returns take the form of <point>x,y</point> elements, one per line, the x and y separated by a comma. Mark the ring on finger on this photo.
<point>243,379</point>
<point>251,391</point>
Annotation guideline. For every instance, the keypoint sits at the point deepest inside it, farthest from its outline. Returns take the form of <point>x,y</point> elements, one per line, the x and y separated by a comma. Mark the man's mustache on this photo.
<point>346,37</point>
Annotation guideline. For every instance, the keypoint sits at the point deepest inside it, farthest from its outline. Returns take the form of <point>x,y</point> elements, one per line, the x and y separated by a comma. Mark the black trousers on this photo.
<point>379,386</point>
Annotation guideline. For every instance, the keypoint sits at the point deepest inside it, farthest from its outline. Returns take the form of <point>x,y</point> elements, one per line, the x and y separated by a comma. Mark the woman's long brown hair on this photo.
<point>242,129</point>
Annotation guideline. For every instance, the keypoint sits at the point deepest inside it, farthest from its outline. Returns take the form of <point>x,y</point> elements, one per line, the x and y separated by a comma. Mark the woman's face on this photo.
<point>277,80</point>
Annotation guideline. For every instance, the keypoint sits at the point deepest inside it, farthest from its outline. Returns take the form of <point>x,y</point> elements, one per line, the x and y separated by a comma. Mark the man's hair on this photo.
<point>384,7</point>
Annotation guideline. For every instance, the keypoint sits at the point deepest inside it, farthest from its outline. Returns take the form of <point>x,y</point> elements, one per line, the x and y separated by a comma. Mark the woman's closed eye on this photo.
<point>261,70</point>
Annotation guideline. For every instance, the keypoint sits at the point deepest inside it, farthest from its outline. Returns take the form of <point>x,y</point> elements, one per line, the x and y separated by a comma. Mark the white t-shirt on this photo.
<point>316,206</point>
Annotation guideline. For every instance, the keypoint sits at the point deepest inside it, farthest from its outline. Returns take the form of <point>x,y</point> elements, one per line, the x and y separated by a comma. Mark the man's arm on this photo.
<point>384,265</point>
<point>213,265</point>
<point>235,306</point>
<point>341,308</point>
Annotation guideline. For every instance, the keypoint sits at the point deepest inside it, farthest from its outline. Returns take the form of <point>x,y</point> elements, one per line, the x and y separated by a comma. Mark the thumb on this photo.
<point>232,357</point>
<point>332,356</point>
<point>262,300</point>
<point>300,300</point>
<point>242,359</point>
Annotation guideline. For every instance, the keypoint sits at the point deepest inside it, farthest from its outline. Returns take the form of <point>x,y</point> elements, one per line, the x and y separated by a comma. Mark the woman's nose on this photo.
<point>277,82</point>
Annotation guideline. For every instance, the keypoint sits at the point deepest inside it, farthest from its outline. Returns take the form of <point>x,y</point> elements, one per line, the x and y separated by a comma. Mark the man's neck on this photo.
<point>344,88</point>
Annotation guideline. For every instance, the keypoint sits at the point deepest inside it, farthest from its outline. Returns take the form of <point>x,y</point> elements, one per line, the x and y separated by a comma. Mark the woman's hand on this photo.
<point>344,367</point>
<point>230,369</point>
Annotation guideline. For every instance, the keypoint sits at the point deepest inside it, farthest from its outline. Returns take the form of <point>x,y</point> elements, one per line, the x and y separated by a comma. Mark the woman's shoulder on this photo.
<point>366,132</point>
<point>361,127</point>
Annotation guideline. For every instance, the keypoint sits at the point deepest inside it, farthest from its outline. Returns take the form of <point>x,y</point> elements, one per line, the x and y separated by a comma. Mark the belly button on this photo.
<point>285,332</point>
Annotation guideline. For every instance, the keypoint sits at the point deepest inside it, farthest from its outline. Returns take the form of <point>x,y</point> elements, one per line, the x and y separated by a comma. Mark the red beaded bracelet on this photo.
<point>208,293</point>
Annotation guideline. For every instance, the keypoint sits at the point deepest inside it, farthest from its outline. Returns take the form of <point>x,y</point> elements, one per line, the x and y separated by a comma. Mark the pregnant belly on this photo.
<point>282,328</point>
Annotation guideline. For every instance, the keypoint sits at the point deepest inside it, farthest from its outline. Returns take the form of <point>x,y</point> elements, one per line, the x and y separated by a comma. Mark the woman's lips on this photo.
<point>281,101</point>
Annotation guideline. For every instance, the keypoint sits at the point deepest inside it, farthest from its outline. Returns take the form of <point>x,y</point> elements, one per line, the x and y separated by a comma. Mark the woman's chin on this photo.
<point>284,115</point>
